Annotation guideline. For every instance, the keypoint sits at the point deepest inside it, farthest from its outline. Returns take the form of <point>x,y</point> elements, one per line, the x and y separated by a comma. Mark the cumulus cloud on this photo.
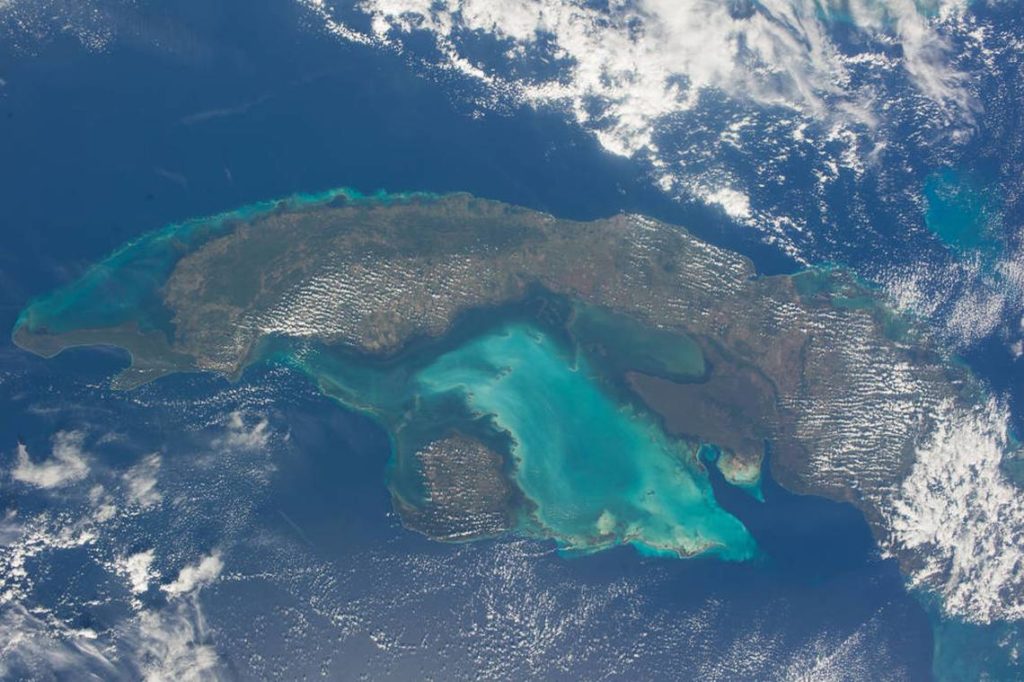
<point>194,577</point>
<point>140,482</point>
<point>968,297</point>
<point>138,569</point>
<point>241,436</point>
<point>621,67</point>
<point>713,98</point>
<point>860,655</point>
<point>964,519</point>
<point>66,464</point>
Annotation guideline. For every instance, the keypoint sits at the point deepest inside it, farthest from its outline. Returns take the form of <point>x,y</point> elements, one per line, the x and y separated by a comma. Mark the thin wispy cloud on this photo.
<point>621,68</point>
<point>244,433</point>
<point>33,643</point>
<point>173,644</point>
<point>140,482</point>
<point>65,465</point>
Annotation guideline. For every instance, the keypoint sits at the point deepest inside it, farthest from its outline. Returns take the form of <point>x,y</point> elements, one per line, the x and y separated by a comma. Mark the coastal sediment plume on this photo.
<point>596,474</point>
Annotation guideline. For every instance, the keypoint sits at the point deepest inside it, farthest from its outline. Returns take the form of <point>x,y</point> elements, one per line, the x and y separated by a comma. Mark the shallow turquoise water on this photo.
<point>124,287</point>
<point>599,473</point>
<point>958,210</point>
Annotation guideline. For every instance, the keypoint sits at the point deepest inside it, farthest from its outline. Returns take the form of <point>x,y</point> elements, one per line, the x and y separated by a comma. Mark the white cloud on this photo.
<point>156,645</point>
<point>192,578</point>
<point>28,539</point>
<point>623,67</point>
<point>173,644</point>
<point>860,655</point>
<point>65,465</point>
<point>140,482</point>
<point>968,297</point>
<point>103,508</point>
<point>697,90</point>
<point>137,568</point>
<point>34,644</point>
<point>963,519</point>
<point>244,437</point>
<point>736,204</point>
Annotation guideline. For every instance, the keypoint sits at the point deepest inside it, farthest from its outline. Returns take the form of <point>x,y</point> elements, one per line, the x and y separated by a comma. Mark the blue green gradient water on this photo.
<point>123,288</point>
<point>959,210</point>
<point>598,473</point>
<point>328,117</point>
<point>594,472</point>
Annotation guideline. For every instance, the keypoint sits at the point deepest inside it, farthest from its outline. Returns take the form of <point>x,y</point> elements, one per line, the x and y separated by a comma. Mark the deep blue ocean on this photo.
<point>336,565</point>
<point>99,147</point>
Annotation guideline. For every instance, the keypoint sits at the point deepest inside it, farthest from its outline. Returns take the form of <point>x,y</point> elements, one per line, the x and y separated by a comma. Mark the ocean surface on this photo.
<point>321,577</point>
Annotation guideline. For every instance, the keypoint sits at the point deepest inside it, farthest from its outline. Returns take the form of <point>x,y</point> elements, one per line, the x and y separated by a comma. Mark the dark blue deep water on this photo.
<point>320,565</point>
<point>99,147</point>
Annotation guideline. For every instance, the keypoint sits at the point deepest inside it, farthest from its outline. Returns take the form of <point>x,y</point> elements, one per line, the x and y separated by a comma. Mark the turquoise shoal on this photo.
<point>598,473</point>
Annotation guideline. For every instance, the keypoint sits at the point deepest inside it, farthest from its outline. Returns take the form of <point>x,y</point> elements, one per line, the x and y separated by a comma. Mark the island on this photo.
<point>551,377</point>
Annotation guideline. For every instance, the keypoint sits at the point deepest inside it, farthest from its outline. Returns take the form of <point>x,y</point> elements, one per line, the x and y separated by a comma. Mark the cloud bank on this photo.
<point>965,518</point>
<point>621,68</point>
